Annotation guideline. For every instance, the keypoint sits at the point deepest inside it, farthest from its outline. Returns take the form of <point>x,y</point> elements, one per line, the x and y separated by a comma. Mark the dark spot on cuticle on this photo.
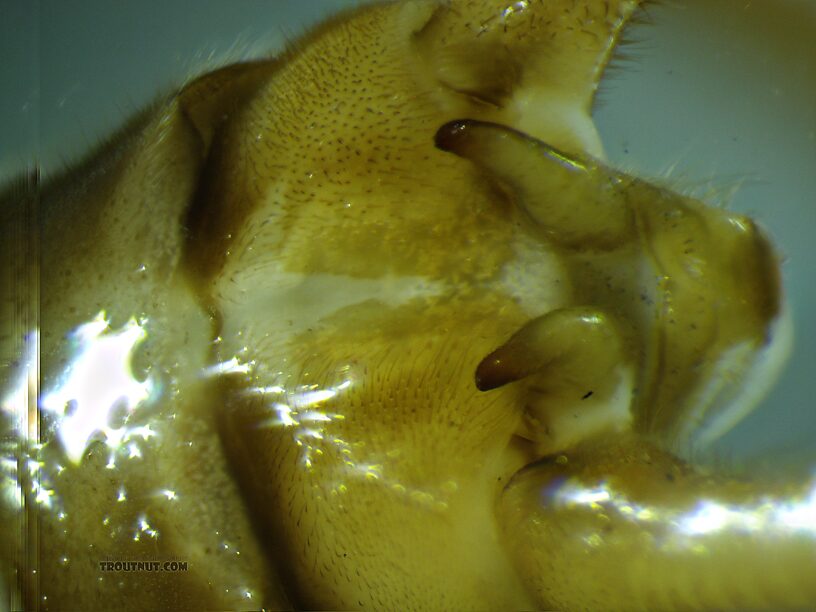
<point>449,134</point>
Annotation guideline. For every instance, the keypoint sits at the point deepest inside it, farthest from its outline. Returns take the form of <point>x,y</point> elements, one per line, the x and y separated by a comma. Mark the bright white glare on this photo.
<point>708,517</point>
<point>299,400</point>
<point>315,417</point>
<point>97,380</point>
<point>300,412</point>
<point>304,413</point>
<point>285,415</point>
<point>8,465</point>
<point>232,366</point>
<point>591,496</point>
<point>272,390</point>
<point>785,514</point>
<point>12,493</point>
<point>42,495</point>
<point>288,406</point>
<point>800,516</point>
<point>310,398</point>
<point>144,526</point>
<point>516,7</point>
<point>15,401</point>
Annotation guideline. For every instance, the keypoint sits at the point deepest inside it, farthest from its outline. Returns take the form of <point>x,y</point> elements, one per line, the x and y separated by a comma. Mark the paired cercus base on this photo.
<point>744,121</point>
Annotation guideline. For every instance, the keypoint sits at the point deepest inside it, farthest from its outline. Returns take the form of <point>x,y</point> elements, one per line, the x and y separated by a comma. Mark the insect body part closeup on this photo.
<point>373,324</point>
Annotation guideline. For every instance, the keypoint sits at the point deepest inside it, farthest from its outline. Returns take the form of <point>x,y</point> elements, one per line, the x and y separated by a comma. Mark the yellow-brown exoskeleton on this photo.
<point>373,325</point>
